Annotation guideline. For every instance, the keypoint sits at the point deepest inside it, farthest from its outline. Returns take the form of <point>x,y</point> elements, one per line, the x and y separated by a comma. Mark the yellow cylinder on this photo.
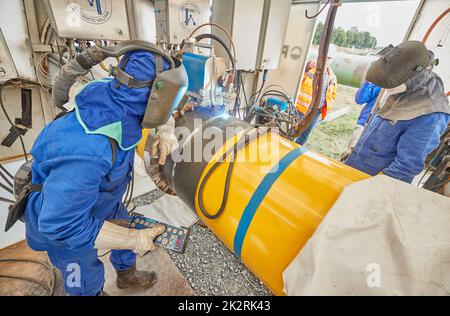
<point>274,205</point>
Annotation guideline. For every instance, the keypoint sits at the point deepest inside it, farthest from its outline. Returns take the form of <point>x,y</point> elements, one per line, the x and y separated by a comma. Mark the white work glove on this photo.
<point>352,143</point>
<point>161,144</point>
<point>164,142</point>
<point>140,241</point>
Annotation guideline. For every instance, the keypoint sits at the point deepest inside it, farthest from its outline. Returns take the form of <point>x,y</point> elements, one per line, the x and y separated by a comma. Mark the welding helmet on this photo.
<point>399,64</point>
<point>167,89</point>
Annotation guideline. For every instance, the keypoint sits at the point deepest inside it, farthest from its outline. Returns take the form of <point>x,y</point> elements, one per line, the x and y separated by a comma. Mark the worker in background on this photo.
<point>367,94</point>
<point>327,95</point>
<point>407,127</point>
<point>84,177</point>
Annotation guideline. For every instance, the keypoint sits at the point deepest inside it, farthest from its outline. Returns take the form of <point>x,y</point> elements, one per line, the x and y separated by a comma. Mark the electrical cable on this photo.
<point>222,43</point>
<point>423,176</point>
<point>2,199</point>
<point>223,29</point>
<point>8,182</point>
<point>243,89</point>
<point>13,126</point>
<point>276,115</point>
<point>437,187</point>
<point>6,172</point>
<point>233,150</point>
<point>50,289</point>
<point>318,13</point>
<point>265,74</point>
<point>104,254</point>
<point>6,188</point>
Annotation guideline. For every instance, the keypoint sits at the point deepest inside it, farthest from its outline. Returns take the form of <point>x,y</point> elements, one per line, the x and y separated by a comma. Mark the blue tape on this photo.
<point>259,195</point>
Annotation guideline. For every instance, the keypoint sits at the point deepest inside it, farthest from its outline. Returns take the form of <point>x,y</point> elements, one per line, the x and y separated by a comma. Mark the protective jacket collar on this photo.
<point>424,95</point>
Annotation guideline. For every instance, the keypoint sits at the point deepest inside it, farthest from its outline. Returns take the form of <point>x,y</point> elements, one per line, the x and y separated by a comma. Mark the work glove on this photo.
<point>162,144</point>
<point>140,241</point>
<point>352,143</point>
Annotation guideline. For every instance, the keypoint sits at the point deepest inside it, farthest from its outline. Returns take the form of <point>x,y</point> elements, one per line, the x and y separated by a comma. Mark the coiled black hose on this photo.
<point>237,146</point>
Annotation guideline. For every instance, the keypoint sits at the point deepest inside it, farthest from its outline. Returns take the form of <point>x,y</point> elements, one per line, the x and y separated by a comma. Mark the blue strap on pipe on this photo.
<point>259,195</point>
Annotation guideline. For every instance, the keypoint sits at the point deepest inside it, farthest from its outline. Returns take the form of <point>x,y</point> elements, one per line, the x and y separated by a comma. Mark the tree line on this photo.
<point>347,38</point>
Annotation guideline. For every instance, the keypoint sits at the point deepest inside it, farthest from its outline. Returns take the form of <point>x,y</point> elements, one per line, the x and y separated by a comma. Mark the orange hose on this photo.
<point>431,28</point>
<point>439,18</point>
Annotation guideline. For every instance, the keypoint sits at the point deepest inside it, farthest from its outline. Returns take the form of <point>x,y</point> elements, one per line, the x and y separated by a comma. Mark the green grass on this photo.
<point>331,138</point>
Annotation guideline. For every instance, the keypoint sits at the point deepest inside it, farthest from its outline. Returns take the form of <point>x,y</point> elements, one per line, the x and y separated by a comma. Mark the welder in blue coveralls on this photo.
<point>410,122</point>
<point>83,184</point>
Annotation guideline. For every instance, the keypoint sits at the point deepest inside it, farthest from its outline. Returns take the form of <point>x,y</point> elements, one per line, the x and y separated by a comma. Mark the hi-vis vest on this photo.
<point>304,98</point>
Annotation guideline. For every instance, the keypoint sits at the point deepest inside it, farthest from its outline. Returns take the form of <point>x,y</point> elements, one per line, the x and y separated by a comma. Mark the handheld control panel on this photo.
<point>174,238</point>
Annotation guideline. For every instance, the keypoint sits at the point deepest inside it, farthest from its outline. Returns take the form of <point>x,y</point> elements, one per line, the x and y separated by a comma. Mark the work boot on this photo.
<point>132,278</point>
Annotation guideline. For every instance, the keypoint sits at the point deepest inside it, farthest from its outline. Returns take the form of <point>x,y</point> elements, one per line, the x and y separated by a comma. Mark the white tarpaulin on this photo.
<point>381,237</point>
<point>167,209</point>
<point>170,210</point>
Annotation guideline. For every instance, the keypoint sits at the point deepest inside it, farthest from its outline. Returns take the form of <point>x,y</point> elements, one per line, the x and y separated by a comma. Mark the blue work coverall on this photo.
<point>367,94</point>
<point>81,186</point>
<point>398,149</point>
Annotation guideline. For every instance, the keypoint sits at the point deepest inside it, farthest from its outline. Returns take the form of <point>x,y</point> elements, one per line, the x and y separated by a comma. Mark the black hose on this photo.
<point>221,42</point>
<point>8,182</point>
<point>6,172</point>
<point>13,126</point>
<point>50,289</point>
<point>237,146</point>
<point>2,199</point>
<point>6,188</point>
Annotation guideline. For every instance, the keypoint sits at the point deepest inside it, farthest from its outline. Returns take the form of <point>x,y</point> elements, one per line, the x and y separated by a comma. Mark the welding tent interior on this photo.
<point>381,237</point>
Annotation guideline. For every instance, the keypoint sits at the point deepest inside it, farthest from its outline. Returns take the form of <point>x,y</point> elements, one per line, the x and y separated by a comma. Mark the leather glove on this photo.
<point>352,143</point>
<point>164,142</point>
<point>161,145</point>
<point>346,154</point>
<point>140,241</point>
<point>145,239</point>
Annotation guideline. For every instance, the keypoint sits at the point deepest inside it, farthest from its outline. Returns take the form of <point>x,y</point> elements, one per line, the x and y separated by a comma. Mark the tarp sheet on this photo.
<point>381,237</point>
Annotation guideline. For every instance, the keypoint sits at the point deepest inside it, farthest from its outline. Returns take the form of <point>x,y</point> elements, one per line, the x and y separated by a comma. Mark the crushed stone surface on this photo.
<point>207,264</point>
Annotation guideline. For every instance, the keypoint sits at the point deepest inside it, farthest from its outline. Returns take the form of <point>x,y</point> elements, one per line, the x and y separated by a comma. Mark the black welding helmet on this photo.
<point>399,64</point>
<point>167,89</point>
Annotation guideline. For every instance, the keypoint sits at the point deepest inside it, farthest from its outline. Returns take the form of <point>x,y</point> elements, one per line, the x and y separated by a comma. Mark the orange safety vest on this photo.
<point>304,97</point>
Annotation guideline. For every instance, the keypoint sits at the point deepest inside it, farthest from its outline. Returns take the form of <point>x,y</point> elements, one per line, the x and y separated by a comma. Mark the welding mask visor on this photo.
<point>168,88</point>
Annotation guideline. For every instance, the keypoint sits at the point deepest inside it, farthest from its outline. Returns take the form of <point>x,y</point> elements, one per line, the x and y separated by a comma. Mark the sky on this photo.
<point>388,21</point>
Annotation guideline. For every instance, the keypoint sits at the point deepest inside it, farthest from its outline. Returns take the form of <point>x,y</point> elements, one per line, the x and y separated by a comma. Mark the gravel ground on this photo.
<point>211,269</point>
<point>207,265</point>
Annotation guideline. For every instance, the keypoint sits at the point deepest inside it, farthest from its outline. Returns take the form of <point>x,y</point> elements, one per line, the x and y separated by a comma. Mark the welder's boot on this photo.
<point>132,278</point>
